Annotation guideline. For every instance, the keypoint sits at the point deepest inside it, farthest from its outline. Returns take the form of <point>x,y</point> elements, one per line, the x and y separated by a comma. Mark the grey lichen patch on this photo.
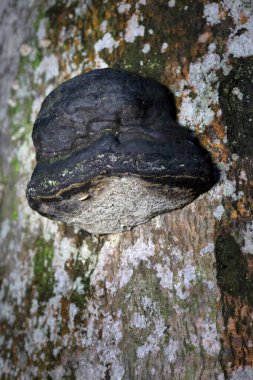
<point>145,314</point>
<point>138,285</point>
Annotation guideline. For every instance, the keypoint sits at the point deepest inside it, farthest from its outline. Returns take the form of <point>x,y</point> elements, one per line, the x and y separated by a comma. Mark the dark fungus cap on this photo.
<point>110,154</point>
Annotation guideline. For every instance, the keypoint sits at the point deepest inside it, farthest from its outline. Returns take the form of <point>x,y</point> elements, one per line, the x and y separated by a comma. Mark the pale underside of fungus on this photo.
<point>111,155</point>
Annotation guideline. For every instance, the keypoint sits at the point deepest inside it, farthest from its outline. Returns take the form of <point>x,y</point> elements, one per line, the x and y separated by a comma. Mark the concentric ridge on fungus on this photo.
<point>110,154</point>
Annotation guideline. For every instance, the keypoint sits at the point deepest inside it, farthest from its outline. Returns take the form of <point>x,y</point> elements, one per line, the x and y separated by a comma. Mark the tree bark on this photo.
<point>172,298</point>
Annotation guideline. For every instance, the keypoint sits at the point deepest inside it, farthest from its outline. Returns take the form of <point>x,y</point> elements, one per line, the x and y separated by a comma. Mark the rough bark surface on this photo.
<point>172,298</point>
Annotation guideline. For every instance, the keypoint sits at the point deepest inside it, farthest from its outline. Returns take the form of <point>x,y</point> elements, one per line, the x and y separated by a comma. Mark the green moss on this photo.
<point>24,63</point>
<point>3,176</point>
<point>15,169</point>
<point>12,111</point>
<point>15,166</point>
<point>14,214</point>
<point>43,271</point>
<point>149,65</point>
<point>40,15</point>
<point>78,299</point>
<point>190,370</point>
<point>37,58</point>
<point>80,269</point>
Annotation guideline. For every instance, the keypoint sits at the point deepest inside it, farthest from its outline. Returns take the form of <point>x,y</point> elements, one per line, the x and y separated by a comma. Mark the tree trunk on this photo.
<point>172,298</point>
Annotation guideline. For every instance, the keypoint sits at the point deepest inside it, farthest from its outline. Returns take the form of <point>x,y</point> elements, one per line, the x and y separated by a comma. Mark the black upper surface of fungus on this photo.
<point>111,133</point>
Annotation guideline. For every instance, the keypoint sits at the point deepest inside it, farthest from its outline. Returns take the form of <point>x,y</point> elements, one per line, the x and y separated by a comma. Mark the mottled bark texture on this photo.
<point>172,298</point>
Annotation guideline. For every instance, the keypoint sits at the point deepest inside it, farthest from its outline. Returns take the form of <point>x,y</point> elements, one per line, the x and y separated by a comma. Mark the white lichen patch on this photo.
<point>229,188</point>
<point>73,310</point>
<point>248,238</point>
<point>211,13</point>
<point>132,257</point>
<point>218,212</point>
<point>64,250</point>
<point>188,275</point>
<point>236,91</point>
<point>36,107</point>
<point>106,348</point>
<point>5,229</point>
<point>210,338</point>
<point>138,321</point>
<point>208,249</point>
<point>202,77</point>
<point>41,34</point>
<point>106,42</point>
<point>13,288</point>
<point>134,29</point>
<point>26,156</point>
<point>241,45</point>
<point>180,280</point>
<point>226,188</point>
<point>245,373</point>
<point>103,26</point>
<point>240,39</point>
<point>164,47</point>
<point>243,176</point>
<point>78,285</point>
<point>170,351</point>
<point>129,261</point>
<point>153,340</point>
<point>6,313</point>
<point>47,70</point>
<point>124,7</point>
<point>171,3</point>
<point>165,274</point>
<point>146,48</point>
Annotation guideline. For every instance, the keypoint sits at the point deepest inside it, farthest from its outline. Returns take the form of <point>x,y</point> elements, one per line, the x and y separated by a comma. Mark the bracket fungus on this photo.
<point>111,155</point>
